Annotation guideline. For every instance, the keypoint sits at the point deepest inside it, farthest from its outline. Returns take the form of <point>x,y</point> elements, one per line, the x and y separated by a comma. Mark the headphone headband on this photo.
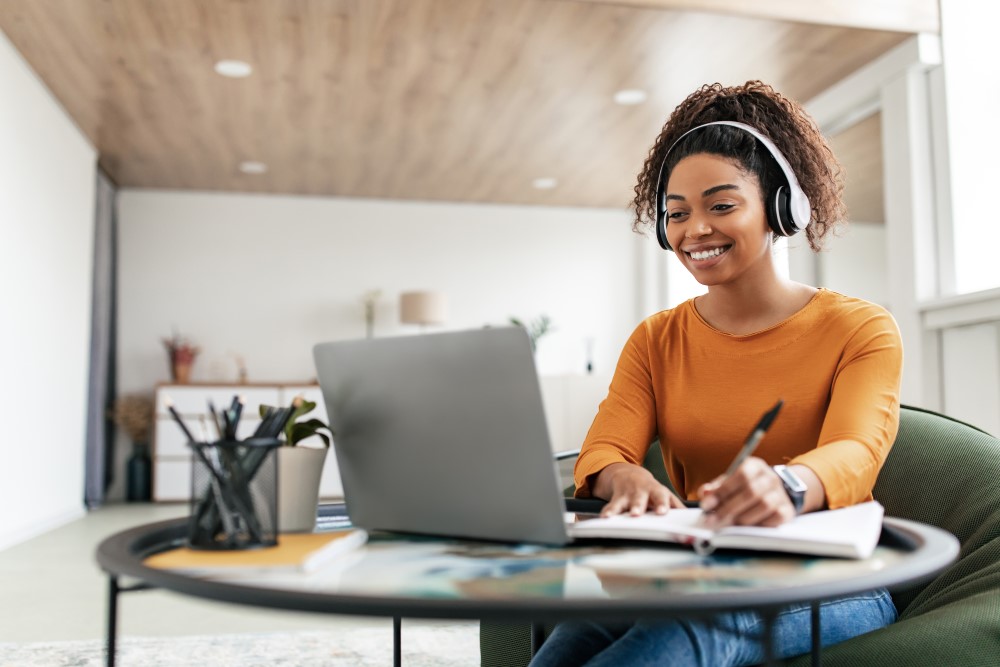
<point>785,223</point>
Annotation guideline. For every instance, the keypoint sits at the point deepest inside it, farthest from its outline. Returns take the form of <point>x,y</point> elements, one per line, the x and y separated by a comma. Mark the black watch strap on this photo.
<point>794,487</point>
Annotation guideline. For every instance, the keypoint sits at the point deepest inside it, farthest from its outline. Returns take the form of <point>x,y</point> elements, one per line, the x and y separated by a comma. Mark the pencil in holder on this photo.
<point>234,494</point>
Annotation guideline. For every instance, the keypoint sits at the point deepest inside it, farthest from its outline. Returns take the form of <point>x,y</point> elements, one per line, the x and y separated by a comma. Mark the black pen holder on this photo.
<point>234,494</point>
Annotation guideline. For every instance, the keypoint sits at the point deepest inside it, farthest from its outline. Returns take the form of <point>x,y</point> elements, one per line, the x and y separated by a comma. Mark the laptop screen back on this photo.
<point>443,434</point>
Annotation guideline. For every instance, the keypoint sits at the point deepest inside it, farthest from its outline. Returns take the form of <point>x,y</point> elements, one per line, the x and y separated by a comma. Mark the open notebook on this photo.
<point>850,532</point>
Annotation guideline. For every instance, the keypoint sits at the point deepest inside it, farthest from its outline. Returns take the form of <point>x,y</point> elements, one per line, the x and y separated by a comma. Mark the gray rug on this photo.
<point>435,646</point>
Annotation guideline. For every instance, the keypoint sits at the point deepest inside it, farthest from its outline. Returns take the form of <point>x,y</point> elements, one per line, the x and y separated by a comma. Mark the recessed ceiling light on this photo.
<point>236,69</point>
<point>630,96</point>
<point>544,183</point>
<point>251,167</point>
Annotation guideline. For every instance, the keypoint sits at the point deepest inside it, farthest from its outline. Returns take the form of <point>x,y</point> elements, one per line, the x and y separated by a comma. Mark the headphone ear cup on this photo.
<point>661,222</point>
<point>779,214</point>
<point>661,231</point>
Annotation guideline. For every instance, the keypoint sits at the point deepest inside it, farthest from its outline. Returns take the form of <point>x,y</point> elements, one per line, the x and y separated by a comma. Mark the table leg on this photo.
<point>397,636</point>
<point>817,643</point>
<point>537,637</point>
<point>112,619</point>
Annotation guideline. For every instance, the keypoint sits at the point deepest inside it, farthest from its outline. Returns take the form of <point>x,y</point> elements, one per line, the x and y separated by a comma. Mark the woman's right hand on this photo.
<point>632,489</point>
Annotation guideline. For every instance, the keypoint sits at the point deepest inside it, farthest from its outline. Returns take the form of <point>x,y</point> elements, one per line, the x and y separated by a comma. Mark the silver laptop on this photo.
<point>443,434</point>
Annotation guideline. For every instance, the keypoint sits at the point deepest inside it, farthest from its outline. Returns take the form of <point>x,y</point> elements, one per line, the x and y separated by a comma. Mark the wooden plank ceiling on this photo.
<point>455,100</point>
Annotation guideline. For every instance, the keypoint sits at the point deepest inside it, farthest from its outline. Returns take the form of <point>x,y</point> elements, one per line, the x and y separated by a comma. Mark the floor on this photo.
<point>53,590</point>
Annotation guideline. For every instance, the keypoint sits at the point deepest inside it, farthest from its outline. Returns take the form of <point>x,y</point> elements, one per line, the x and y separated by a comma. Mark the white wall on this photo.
<point>47,173</point>
<point>855,263</point>
<point>267,277</point>
<point>852,263</point>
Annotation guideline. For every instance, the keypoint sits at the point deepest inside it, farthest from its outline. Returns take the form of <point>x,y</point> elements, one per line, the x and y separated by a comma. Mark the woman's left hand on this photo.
<point>751,496</point>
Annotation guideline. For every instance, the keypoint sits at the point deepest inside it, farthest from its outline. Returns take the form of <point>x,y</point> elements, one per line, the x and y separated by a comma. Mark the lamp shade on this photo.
<point>423,308</point>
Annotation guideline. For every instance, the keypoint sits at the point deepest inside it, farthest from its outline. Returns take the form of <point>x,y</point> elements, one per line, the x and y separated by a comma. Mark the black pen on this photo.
<point>237,407</point>
<point>756,435</point>
<point>219,428</point>
<point>235,410</point>
<point>177,418</point>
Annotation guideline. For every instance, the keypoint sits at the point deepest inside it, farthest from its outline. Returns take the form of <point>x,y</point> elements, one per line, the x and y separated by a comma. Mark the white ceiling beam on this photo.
<point>911,16</point>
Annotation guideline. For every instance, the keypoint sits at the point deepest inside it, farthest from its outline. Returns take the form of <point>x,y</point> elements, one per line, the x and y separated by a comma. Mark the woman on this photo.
<point>731,171</point>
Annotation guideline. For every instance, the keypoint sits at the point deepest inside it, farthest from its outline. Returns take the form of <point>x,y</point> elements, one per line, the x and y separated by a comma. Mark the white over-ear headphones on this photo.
<point>788,210</point>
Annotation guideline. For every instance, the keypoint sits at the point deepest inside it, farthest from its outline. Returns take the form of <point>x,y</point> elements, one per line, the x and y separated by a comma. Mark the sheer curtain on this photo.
<point>100,434</point>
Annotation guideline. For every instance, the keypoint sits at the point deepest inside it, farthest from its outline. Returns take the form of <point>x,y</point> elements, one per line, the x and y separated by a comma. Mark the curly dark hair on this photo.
<point>783,121</point>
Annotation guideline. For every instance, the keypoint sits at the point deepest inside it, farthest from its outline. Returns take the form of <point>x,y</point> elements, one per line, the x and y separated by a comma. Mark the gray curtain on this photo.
<point>100,433</point>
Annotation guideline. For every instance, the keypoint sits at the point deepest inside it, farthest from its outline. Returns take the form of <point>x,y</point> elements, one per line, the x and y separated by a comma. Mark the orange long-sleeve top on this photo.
<point>836,363</point>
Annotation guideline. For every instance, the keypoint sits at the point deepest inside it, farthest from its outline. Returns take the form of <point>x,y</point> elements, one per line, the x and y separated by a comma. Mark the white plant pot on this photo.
<point>299,472</point>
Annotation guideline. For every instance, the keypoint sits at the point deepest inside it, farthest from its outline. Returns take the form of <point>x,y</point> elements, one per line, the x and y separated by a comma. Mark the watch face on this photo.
<point>794,487</point>
<point>792,482</point>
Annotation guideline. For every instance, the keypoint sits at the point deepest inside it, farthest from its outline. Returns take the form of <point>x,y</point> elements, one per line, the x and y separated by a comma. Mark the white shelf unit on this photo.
<point>171,455</point>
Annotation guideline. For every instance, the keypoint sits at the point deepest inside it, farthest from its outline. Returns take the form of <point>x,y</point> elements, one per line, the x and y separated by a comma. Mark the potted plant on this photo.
<point>300,466</point>
<point>182,354</point>
<point>536,328</point>
<point>296,431</point>
<point>133,413</point>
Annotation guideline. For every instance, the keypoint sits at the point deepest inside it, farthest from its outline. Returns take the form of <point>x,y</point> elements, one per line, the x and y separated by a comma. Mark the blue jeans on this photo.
<point>729,639</point>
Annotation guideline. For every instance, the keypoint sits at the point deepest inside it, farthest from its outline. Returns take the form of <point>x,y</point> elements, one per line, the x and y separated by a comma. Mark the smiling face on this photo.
<point>716,221</point>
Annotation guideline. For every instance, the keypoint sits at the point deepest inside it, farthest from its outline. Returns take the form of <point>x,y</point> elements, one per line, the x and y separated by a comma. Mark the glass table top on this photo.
<point>401,575</point>
<point>399,566</point>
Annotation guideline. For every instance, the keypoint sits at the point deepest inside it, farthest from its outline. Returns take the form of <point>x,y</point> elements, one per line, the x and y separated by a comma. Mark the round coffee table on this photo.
<point>404,576</point>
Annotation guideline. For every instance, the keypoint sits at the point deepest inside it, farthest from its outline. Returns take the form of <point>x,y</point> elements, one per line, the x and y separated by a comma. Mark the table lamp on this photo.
<point>423,308</point>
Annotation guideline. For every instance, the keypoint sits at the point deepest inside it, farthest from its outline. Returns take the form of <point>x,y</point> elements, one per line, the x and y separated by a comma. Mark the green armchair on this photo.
<point>940,472</point>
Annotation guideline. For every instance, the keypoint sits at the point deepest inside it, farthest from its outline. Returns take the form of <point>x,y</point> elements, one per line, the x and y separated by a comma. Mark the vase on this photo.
<point>181,372</point>
<point>299,471</point>
<point>138,473</point>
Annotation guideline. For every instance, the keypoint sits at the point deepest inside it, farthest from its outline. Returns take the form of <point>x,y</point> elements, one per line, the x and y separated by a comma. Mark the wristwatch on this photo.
<point>794,487</point>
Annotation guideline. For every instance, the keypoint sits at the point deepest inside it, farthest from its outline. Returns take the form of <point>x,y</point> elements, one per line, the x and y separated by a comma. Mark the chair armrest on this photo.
<point>566,454</point>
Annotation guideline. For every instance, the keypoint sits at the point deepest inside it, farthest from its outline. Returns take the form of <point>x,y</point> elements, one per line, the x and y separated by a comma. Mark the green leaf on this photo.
<point>305,407</point>
<point>302,430</point>
<point>536,328</point>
